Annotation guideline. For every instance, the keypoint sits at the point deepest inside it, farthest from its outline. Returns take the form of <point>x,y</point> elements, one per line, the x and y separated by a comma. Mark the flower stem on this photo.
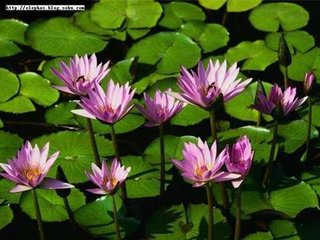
<point>116,220</point>
<point>93,143</point>
<point>118,157</point>
<point>237,231</point>
<point>271,156</point>
<point>309,129</point>
<point>285,75</point>
<point>210,212</point>
<point>162,161</point>
<point>38,214</point>
<point>70,213</point>
<point>214,138</point>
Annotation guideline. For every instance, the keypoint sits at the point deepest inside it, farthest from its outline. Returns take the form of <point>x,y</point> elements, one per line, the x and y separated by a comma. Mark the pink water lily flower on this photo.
<point>81,75</point>
<point>30,168</point>
<point>204,87</point>
<point>201,164</point>
<point>309,83</point>
<point>239,159</point>
<point>160,109</point>
<point>279,103</point>
<point>108,107</point>
<point>107,180</point>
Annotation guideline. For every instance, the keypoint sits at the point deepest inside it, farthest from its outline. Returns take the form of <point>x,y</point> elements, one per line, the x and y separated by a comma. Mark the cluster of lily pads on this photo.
<point>169,72</point>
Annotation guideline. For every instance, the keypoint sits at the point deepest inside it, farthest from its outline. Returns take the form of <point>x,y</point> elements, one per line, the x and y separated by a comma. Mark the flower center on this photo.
<point>113,181</point>
<point>200,171</point>
<point>106,108</point>
<point>31,174</point>
<point>206,89</point>
<point>80,79</point>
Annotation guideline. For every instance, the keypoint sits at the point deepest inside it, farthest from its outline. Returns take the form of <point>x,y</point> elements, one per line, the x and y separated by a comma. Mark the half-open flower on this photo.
<point>278,104</point>
<point>204,87</point>
<point>239,159</point>
<point>160,109</point>
<point>108,107</point>
<point>30,168</point>
<point>201,164</point>
<point>81,75</point>
<point>309,83</point>
<point>107,180</point>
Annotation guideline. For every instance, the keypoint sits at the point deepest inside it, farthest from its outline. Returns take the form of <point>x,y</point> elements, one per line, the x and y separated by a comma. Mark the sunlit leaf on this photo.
<point>232,5</point>
<point>190,115</point>
<point>6,215</point>
<point>9,84</point>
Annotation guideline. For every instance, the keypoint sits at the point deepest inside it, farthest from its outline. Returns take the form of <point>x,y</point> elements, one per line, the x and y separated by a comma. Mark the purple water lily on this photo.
<point>239,159</point>
<point>110,106</point>
<point>204,87</point>
<point>279,103</point>
<point>309,82</point>
<point>201,164</point>
<point>107,180</point>
<point>81,75</point>
<point>160,109</point>
<point>30,168</point>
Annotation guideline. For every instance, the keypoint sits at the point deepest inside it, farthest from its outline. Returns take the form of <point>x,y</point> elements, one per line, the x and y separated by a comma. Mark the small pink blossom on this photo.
<point>204,87</point>
<point>239,159</point>
<point>30,168</point>
<point>201,164</point>
<point>309,82</point>
<point>108,107</point>
<point>107,180</point>
<point>81,75</point>
<point>279,103</point>
<point>160,109</point>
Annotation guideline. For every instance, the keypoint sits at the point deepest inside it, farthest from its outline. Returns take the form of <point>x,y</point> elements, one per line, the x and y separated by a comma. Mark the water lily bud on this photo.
<point>284,55</point>
<point>63,193</point>
<point>309,83</point>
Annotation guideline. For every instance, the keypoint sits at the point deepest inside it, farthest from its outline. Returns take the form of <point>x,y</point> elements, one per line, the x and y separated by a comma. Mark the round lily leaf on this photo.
<point>312,177</point>
<point>9,84</point>
<point>61,114</point>
<point>283,229</point>
<point>138,33</point>
<point>166,50</point>
<point>293,199</point>
<point>173,149</point>
<point>256,55</point>
<point>240,106</point>
<point>53,63</point>
<point>76,153</point>
<point>8,48</point>
<point>305,62</point>
<point>190,115</point>
<point>51,205</point>
<point>300,40</point>
<point>177,13</point>
<point>269,17</point>
<point>113,13</point>
<point>120,72</point>
<point>232,5</point>
<point>59,37</point>
<point>143,179</point>
<point>295,134</point>
<point>259,236</point>
<point>9,145</point>
<point>97,218</point>
<point>6,215</point>
<point>205,35</point>
<point>5,187</point>
<point>19,104</point>
<point>315,115</point>
<point>38,89</point>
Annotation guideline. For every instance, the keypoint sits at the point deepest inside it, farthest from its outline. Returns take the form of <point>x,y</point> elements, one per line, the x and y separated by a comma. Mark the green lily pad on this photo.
<point>9,84</point>
<point>312,177</point>
<point>5,187</point>
<point>283,229</point>
<point>232,5</point>
<point>269,17</point>
<point>120,72</point>
<point>190,115</point>
<point>38,89</point>
<point>173,149</point>
<point>259,236</point>
<point>143,179</point>
<point>299,40</point>
<point>166,50</point>
<point>53,63</point>
<point>138,33</point>
<point>6,215</point>
<point>206,35</point>
<point>51,205</point>
<point>295,134</point>
<point>315,115</point>
<point>240,106</point>
<point>113,14</point>
<point>19,104</point>
<point>256,55</point>
<point>305,62</point>
<point>177,13</point>
<point>59,37</point>
<point>9,145</point>
<point>61,114</point>
<point>8,48</point>
<point>293,199</point>
<point>76,153</point>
